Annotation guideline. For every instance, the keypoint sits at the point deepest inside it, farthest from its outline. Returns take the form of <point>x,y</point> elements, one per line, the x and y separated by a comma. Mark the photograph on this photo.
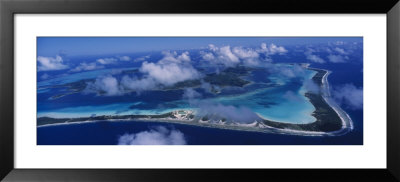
<point>199,90</point>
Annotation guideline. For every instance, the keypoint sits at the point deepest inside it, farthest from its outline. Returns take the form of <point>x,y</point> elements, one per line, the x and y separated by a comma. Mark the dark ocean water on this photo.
<point>344,74</point>
<point>108,133</point>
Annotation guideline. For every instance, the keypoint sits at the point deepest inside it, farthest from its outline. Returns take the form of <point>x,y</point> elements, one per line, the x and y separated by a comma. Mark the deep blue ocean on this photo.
<point>107,133</point>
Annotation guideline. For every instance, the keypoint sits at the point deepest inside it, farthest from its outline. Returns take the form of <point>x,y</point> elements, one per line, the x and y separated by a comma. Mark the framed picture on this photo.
<point>131,90</point>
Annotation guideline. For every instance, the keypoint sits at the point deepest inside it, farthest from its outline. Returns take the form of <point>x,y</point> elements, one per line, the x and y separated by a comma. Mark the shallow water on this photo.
<point>73,77</point>
<point>268,102</point>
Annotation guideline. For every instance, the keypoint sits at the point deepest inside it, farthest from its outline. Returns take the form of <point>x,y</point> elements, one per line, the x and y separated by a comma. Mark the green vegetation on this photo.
<point>228,77</point>
<point>327,119</point>
<point>318,76</point>
<point>225,79</point>
<point>166,115</point>
<point>72,88</point>
<point>49,120</point>
<point>205,118</point>
<point>184,84</point>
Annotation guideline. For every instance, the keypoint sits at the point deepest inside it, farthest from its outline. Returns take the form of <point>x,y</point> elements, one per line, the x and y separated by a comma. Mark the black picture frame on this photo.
<point>9,8</point>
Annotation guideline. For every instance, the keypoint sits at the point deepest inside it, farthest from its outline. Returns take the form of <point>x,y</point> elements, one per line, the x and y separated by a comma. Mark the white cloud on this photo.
<point>264,47</point>
<point>243,53</point>
<point>291,96</point>
<point>339,43</point>
<point>315,58</point>
<point>220,55</point>
<point>207,56</point>
<point>350,96</point>
<point>251,62</point>
<point>248,56</point>
<point>95,65</point>
<point>124,58</point>
<point>277,49</point>
<point>157,136</point>
<point>312,57</point>
<point>87,66</point>
<point>104,85</point>
<point>230,57</point>
<point>140,59</point>
<point>169,74</point>
<point>209,88</point>
<point>190,93</point>
<point>272,49</point>
<point>184,57</point>
<point>138,84</point>
<point>50,63</point>
<point>328,50</point>
<point>107,60</point>
<point>336,59</point>
<point>217,111</point>
<point>44,76</point>
<point>311,86</point>
<point>212,47</point>
<point>171,69</point>
<point>288,72</point>
<point>173,57</point>
<point>340,51</point>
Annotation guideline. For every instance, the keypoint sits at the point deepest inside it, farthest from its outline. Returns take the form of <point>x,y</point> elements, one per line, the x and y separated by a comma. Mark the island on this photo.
<point>331,120</point>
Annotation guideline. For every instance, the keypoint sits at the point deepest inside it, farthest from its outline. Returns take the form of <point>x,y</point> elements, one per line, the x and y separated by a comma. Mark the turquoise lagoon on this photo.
<point>282,102</point>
